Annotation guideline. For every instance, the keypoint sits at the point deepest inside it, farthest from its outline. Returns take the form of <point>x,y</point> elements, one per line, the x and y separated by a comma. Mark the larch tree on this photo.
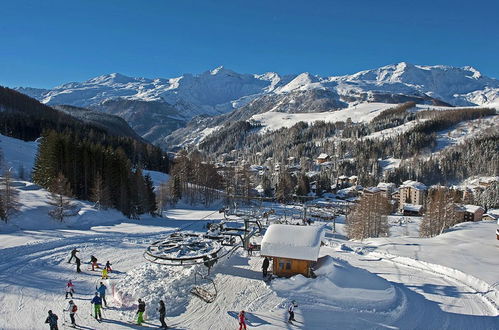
<point>60,198</point>
<point>100,194</point>
<point>9,194</point>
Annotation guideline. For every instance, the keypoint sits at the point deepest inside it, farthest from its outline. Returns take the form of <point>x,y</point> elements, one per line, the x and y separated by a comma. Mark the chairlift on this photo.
<point>206,291</point>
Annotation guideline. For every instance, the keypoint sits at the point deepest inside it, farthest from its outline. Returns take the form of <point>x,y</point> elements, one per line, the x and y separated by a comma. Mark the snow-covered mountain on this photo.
<point>156,107</point>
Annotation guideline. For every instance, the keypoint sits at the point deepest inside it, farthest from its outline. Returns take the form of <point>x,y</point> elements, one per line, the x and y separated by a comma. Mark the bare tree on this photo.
<point>100,194</point>
<point>369,217</point>
<point>440,213</point>
<point>9,196</point>
<point>60,198</point>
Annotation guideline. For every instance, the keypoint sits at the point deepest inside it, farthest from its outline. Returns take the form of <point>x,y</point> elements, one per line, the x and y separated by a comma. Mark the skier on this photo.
<point>72,308</point>
<point>108,267</point>
<point>102,292</point>
<point>140,312</point>
<point>93,261</point>
<point>250,249</point>
<point>265,266</point>
<point>97,302</point>
<point>52,321</point>
<point>73,255</point>
<point>78,263</point>
<point>242,320</point>
<point>291,311</point>
<point>104,274</point>
<point>69,289</point>
<point>162,314</point>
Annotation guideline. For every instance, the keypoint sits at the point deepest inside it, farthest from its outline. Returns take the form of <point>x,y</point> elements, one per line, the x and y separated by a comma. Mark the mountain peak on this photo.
<point>111,78</point>
<point>220,71</point>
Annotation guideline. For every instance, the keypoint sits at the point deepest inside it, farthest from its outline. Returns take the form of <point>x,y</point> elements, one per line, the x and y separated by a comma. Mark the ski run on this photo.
<point>376,284</point>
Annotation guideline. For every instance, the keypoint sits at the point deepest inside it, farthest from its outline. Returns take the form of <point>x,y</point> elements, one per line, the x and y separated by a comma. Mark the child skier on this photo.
<point>140,312</point>
<point>242,320</point>
<point>97,302</point>
<point>72,308</point>
<point>102,292</point>
<point>93,261</point>
<point>69,289</point>
<point>291,311</point>
<point>108,267</point>
<point>52,321</point>
<point>104,274</point>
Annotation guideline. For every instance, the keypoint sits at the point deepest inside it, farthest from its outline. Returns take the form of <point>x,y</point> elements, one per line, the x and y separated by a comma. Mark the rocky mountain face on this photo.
<point>155,108</point>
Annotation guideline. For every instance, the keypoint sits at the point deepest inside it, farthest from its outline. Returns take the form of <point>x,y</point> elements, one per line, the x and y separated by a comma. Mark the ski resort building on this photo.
<point>470,212</point>
<point>293,249</point>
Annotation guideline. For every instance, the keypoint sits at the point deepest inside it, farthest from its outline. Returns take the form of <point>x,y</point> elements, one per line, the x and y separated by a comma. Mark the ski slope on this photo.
<point>369,285</point>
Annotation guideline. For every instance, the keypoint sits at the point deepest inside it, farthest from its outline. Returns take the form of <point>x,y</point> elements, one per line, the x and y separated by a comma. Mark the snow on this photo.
<point>290,241</point>
<point>403,281</point>
<point>413,184</point>
<point>157,177</point>
<point>17,153</point>
<point>360,113</point>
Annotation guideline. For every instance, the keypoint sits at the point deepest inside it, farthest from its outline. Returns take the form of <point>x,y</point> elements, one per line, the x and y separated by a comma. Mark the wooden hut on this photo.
<point>293,249</point>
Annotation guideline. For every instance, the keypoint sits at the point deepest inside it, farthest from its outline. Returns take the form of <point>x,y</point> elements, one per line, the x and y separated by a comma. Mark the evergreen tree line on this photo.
<point>69,165</point>
<point>25,118</point>
<point>191,179</point>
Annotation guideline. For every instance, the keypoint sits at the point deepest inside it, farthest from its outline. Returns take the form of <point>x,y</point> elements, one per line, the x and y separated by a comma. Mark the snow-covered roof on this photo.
<point>291,241</point>
<point>353,177</point>
<point>412,207</point>
<point>414,184</point>
<point>471,208</point>
<point>323,156</point>
<point>343,177</point>
<point>372,190</point>
<point>386,185</point>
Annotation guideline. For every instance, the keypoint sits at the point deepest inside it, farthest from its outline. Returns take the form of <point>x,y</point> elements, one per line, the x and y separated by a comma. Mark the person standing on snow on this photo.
<point>72,308</point>
<point>52,321</point>
<point>265,267</point>
<point>140,312</point>
<point>242,320</point>
<point>108,267</point>
<point>97,302</point>
<point>73,255</point>
<point>93,261</point>
<point>102,293</point>
<point>104,274</point>
<point>291,311</point>
<point>69,289</point>
<point>78,263</point>
<point>162,314</point>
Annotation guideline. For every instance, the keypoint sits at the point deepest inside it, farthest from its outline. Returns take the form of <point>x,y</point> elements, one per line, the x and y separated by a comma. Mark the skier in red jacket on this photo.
<point>242,321</point>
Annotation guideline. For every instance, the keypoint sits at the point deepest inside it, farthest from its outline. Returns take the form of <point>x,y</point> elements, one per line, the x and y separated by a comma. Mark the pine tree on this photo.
<point>60,198</point>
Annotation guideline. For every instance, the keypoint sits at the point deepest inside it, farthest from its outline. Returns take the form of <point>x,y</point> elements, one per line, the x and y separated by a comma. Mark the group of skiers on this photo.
<point>93,262</point>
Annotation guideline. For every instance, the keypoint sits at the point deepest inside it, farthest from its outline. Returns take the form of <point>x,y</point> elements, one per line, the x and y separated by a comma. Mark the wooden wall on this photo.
<point>289,267</point>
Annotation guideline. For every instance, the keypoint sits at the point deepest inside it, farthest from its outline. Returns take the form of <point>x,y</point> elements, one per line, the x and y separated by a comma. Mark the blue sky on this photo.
<point>45,43</point>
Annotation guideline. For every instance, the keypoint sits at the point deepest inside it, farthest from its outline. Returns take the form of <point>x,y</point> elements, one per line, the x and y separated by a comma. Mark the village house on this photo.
<point>322,158</point>
<point>491,215</point>
<point>412,192</point>
<point>470,212</point>
<point>293,249</point>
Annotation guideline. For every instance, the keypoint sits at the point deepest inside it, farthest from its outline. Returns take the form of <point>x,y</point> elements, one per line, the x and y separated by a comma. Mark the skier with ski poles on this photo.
<point>291,311</point>
<point>72,308</point>
<point>97,302</point>
<point>78,263</point>
<point>242,320</point>
<point>162,314</point>
<point>140,312</point>
<point>52,321</point>
<point>102,292</point>
<point>73,255</point>
<point>69,289</point>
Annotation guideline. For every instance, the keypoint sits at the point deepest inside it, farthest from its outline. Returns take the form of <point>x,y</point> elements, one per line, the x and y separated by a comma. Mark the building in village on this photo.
<point>469,212</point>
<point>412,192</point>
<point>293,249</point>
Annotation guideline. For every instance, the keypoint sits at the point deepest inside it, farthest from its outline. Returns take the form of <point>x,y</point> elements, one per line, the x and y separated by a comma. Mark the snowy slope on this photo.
<point>18,155</point>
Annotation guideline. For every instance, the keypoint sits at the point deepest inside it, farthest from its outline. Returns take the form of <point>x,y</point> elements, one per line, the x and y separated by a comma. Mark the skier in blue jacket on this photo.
<point>102,292</point>
<point>97,302</point>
